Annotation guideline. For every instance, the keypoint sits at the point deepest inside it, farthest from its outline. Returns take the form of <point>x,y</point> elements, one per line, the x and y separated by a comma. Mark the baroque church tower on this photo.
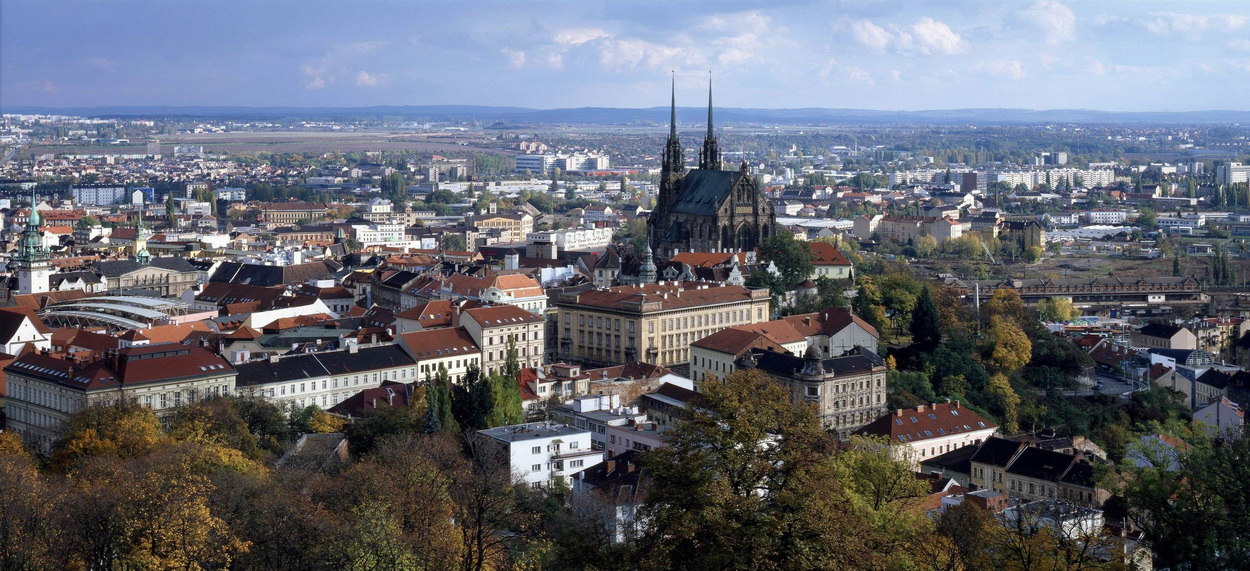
<point>31,262</point>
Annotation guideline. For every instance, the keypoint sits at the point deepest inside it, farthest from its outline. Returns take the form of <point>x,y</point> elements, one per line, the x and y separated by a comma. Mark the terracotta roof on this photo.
<point>501,316</point>
<point>827,255</point>
<point>243,333</point>
<point>829,321</point>
<point>12,317</point>
<point>779,331</point>
<point>439,343</point>
<point>667,296</point>
<point>173,333</point>
<point>709,259</point>
<point>431,314</point>
<point>134,365</point>
<point>927,421</point>
<point>736,341</point>
<point>389,395</point>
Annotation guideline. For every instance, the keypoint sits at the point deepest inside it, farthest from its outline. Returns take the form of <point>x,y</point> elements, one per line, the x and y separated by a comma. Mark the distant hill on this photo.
<point>659,115</point>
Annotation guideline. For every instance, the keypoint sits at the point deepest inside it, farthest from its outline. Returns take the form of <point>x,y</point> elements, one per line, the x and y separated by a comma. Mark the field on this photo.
<point>291,142</point>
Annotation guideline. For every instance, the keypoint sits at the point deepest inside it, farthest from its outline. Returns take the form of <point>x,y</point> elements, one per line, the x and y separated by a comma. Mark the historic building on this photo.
<point>706,209</point>
<point>652,323</point>
<point>31,264</point>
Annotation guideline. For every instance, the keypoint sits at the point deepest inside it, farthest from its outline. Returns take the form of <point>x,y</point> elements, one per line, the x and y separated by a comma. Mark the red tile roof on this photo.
<point>735,341</point>
<point>501,316</point>
<point>827,255</point>
<point>439,343</point>
<point>927,421</point>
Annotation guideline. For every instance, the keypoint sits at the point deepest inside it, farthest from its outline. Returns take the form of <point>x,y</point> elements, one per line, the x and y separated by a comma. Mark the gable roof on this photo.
<point>997,451</point>
<point>735,341</point>
<point>321,364</point>
<point>703,191</point>
<point>11,318</point>
<point>827,255</point>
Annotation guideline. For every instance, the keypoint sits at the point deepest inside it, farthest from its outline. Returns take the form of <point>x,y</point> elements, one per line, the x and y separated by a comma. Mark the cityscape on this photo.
<point>824,285</point>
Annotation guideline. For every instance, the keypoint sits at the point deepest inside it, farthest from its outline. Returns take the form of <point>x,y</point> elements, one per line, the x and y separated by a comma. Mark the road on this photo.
<point>1112,386</point>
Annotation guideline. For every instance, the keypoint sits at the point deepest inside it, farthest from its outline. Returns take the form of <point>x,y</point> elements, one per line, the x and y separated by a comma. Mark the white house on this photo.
<point>540,452</point>
<point>1222,417</point>
<point>930,430</point>
<point>19,328</point>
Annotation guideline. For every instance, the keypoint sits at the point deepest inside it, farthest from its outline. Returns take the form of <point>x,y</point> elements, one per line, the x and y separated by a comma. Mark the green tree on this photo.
<point>792,258</point>
<point>1008,402</point>
<point>439,415</point>
<point>1057,309</point>
<point>1007,345</point>
<point>926,325</point>
<point>716,477</point>
<point>452,241</point>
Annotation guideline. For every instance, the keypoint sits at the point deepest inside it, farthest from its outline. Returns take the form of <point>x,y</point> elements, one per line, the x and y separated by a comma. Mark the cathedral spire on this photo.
<point>709,156</point>
<point>674,162</point>
<point>709,105</point>
<point>672,110</point>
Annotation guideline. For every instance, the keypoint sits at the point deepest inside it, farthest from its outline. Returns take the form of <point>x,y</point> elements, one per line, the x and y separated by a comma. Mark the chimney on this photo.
<point>920,408</point>
<point>898,412</point>
<point>629,467</point>
<point>956,404</point>
<point>611,466</point>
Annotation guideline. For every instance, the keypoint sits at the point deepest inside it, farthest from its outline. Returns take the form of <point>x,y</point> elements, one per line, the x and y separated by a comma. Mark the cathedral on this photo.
<point>707,209</point>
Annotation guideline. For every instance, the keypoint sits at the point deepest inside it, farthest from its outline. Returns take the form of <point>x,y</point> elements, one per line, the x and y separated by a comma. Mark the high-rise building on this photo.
<point>1233,173</point>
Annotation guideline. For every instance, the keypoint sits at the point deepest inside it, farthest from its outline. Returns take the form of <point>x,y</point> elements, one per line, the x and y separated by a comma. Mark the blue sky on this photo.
<point>874,54</point>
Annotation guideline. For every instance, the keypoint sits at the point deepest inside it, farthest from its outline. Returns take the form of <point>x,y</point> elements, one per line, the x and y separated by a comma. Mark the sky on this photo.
<point>1137,55</point>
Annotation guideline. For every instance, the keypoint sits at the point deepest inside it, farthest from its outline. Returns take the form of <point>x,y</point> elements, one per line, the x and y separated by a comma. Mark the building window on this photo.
<point>813,391</point>
<point>536,450</point>
<point>536,468</point>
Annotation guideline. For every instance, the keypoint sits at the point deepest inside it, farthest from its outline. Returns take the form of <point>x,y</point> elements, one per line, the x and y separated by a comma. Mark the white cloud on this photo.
<point>366,79</point>
<point>1191,25</point>
<point>1010,69</point>
<point>859,76</point>
<point>871,36</point>
<point>926,36</point>
<point>742,36</point>
<point>316,76</point>
<point>579,36</point>
<point>1056,20</point>
<point>632,53</point>
<point>934,36</point>
<point>1240,45</point>
<point>516,58</point>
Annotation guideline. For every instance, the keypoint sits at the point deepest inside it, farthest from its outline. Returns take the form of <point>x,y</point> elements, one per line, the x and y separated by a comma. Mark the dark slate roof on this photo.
<point>702,191</point>
<point>996,451</point>
<point>787,364</point>
<point>256,274</point>
<point>1080,474</point>
<point>118,268</point>
<point>294,368</point>
<point>958,460</point>
<point>87,277</point>
<point>1160,330</point>
<point>1181,355</point>
<point>1215,379</point>
<point>1041,464</point>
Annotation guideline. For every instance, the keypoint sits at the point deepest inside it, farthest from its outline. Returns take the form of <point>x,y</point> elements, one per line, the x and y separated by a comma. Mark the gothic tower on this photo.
<point>673,165</point>
<point>709,156</point>
<point>31,262</point>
